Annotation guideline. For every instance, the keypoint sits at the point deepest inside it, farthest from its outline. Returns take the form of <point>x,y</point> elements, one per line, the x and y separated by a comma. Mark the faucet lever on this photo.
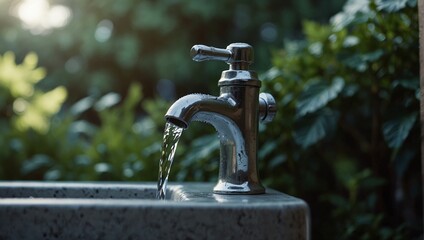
<point>201,53</point>
<point>238,55</point>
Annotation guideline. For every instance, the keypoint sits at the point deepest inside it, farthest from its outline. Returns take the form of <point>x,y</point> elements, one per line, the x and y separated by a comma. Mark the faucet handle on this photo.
<point>238,55</point>
<point>201,53</point>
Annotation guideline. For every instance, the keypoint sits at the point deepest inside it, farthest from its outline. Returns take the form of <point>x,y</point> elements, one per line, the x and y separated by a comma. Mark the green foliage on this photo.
<point>39,143</point>
<point>118,145</point>
<point>347,134</point>
<point>29,108</point>
<point>26,115</point>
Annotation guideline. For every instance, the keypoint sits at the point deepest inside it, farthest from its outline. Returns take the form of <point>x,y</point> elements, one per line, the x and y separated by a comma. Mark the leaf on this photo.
<point>134,96</point>
<point>316,49</point>
<point>267,148</point>
<point>81,106</point>
<point>412,83</point>
<point>37,162</point>
<point>351,41</point>
<point>391,5</point>
<point>50,102</point>
<point>52,175</point>
<point>360,61</point>
<point>36,113</point>
<point>277,160</point>
<point>318,95</point>
<point>314,127</point>
<point>316,32</point>
<point>107,101</point>
<point>30,60</point>
<point>355,6</point>
<point>403,161</point>
<point>336,200</point>
<point>271,74</point>
<point>354,11</point>
<point>82,126</point>
<point>372,56</point>
<point>397,130</point>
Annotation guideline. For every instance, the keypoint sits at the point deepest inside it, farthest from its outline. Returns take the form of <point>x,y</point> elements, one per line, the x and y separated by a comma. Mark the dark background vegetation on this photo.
<point>85,101</point>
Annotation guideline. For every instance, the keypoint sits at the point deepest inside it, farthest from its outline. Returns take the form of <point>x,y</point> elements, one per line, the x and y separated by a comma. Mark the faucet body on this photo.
<point>235,114</point>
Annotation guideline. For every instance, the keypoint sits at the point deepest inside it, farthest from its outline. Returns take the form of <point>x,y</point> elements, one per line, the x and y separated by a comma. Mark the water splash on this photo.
<point>171,136</point>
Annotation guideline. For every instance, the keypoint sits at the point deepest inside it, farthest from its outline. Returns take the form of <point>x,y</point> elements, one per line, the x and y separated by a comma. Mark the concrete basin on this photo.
<point>81,210</point>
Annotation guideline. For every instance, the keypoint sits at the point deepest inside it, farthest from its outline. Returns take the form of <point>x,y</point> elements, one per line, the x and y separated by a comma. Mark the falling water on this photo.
<point>171,136</point>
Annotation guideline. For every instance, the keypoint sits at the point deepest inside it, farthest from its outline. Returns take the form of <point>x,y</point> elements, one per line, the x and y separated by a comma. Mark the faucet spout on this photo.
<point>200,107</point>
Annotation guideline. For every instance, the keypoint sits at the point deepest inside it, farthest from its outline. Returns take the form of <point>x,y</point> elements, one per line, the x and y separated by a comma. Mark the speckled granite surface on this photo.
<point>31,210</point>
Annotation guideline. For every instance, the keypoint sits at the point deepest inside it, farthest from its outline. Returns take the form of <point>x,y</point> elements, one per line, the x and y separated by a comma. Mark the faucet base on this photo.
<point>227,188</point>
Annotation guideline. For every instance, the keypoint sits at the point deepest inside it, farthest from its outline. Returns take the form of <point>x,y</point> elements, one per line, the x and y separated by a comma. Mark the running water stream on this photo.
<point>171,136</point>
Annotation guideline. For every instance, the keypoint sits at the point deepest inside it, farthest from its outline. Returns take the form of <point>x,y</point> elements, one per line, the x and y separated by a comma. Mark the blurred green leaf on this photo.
<point>403,161</point>
<point>52,175</point>
<point>391,5</point>
<point>360,62</point>
<point>134,96</point>
<point>397,130</point>
<point>412,83</point>
<point>315,32</point>
<point>36,163</point>
<point>107,101</point>
<point>314,127</point>
<point>82,127</point>
<point>354,11</point>
<point>317,95</point>
<point>82,105</point>
<point>277,160</point>
<point>267,148</point>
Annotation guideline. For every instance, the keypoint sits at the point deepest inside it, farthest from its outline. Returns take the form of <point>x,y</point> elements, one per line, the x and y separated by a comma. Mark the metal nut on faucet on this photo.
<point>267,107</point>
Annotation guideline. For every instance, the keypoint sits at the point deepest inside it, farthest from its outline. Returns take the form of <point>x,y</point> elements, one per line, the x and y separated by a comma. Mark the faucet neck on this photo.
<point>238,172</point>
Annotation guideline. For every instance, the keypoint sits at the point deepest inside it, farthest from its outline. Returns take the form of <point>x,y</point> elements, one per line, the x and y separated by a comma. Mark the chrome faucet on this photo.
<point>234,114</point>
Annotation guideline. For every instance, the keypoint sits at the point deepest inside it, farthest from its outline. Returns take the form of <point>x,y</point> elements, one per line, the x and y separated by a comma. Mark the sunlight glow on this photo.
<point>39,16</point>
